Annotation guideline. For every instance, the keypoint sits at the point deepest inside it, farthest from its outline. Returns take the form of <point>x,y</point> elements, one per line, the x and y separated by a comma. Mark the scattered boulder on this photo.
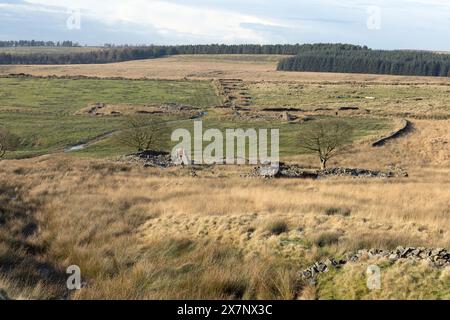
<point>439,258</point>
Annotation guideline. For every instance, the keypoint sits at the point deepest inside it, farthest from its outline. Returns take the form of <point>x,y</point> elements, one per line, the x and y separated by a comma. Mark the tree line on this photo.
<point>399,62</point>
<point>112,53</point>
<point>323,57</point>
<point>34,43</point>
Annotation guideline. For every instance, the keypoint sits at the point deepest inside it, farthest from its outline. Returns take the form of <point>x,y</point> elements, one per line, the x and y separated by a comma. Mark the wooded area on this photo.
<point>321,57</point>
<point>112,53</point>
<point>399,62</point>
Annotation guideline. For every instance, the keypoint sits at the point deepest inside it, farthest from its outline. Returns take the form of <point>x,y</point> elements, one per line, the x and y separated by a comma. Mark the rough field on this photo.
<point>43,111</point>
<point>404,100</point>
<point>247,67</point>
<point>146,233</point>
<point>209,232</point>
<point>49,114</point>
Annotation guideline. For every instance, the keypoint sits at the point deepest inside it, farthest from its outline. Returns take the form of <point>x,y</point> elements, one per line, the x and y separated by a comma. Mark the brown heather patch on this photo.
<point>147,233</point>
<point>246,67</point>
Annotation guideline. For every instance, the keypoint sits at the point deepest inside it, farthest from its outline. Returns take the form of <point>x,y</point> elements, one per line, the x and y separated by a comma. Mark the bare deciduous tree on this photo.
<point>8,142</point>
<point>140,132</point>
<point>327,139</point>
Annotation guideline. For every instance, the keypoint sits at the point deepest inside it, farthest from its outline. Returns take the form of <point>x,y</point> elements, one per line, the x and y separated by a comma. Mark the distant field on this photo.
<point>42,111</point>
<point>289,133</point>
<point>207,232</point>
<point>401,100</point>
<point>47,50</point>
<point>246,67</point>
<point>67,96</point>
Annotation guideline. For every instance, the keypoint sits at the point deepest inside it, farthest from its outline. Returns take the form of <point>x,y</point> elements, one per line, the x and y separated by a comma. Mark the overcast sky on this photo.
<point>387,24</point>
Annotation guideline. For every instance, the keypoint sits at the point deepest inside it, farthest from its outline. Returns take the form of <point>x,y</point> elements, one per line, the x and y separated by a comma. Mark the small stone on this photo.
<point>342,262</point>
<point>399,250</point>
<point>437,251</point>
<point>405,252</point>
<point>306,274</point>
<point>393,257</point>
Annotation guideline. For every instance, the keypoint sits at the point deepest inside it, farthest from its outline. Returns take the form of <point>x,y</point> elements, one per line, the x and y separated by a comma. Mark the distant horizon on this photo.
<point>105,45</point>
<point>379,24</point>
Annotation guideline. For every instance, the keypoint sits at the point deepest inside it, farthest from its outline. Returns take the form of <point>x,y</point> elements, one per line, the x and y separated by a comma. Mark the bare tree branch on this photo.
<point>326,139</point>
<point>140,133</point>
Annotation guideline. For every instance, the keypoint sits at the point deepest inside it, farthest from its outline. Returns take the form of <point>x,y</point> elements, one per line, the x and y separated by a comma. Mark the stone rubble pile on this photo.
<point>439,258</point>
<point>363,173</point>
<point>295,171</point>
<point>286,171</point>
<point>157,159</point>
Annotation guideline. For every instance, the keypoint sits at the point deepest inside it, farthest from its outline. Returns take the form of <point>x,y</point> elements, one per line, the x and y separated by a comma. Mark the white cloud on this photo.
<point>166,17</point>
<point>405,23</point>
<point>28,7</point>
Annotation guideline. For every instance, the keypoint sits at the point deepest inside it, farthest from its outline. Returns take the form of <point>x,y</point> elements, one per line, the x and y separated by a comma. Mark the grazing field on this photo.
<point>289,133</point>
<point>246,67</point>
<point>211,232</point>
<point>68,96</point>
<point>42,111</point>
<point>393,100</point>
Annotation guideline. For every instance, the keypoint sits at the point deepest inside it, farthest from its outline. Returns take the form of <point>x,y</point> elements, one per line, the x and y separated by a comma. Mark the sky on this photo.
<point>379,24</point>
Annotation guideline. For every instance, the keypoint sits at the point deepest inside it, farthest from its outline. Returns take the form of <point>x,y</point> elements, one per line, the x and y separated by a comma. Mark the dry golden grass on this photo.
<point>426,101</point>
<point>248,68</point>
<point>143,233</point>
<point>424,149</point>
<point>351,283</point>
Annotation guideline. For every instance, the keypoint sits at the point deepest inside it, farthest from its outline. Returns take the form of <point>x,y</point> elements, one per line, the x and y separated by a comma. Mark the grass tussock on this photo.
<point>277,227</point>
<point>326,239</point>
<point>181,269</point>
<point>148,234</point>
<point>346,212</point>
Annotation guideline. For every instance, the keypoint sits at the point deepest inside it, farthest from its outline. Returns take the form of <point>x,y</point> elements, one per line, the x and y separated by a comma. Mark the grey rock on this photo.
<point>393,257</point>
<point>399,250</point>
<point>406,252</point>
<point>150,159</point>
<point>437,251</point>
<point>439,258</point>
